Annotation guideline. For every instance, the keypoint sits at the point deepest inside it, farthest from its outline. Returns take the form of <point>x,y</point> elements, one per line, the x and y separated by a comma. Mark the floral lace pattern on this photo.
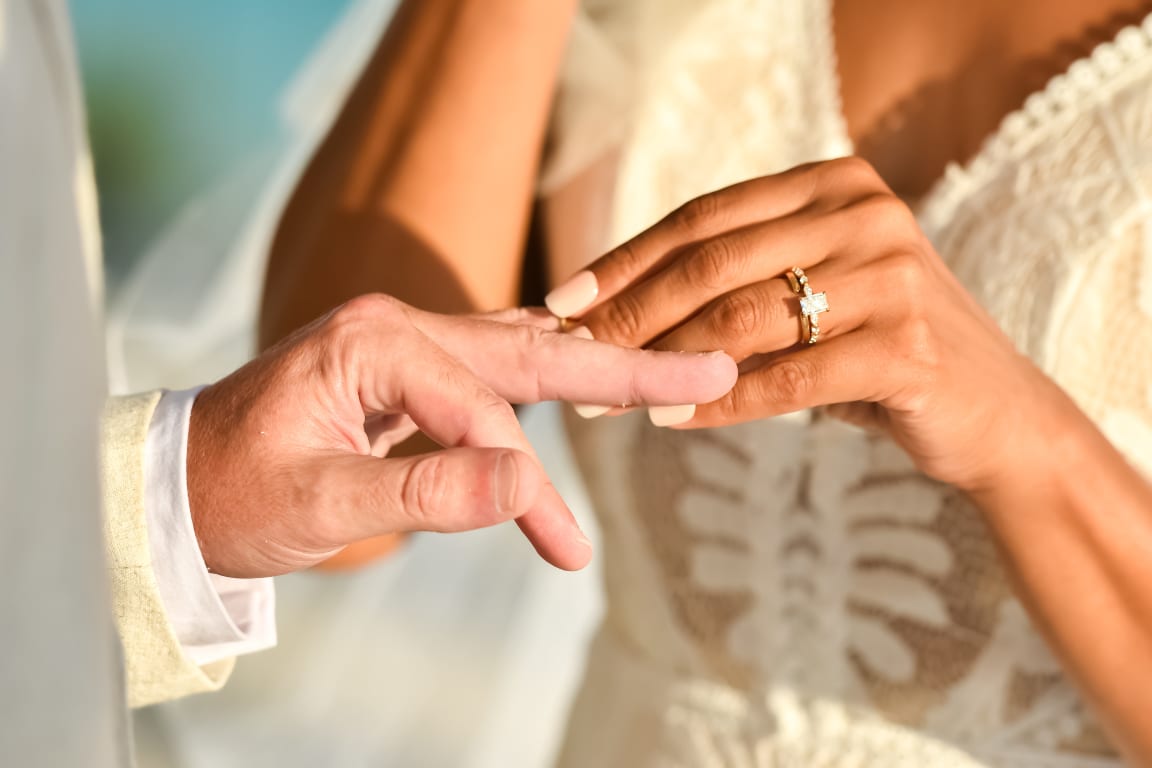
<point>793,592</point>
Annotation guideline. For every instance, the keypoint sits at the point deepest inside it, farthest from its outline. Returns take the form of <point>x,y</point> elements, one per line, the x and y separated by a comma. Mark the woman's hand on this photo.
<point>904,347</point>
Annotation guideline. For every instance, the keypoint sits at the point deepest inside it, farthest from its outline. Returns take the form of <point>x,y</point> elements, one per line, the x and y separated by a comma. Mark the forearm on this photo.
<point>423,187</point>
<point>1075,522</point>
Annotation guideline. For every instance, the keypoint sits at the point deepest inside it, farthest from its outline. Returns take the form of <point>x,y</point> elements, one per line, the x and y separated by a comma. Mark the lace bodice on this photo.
<point>793,593</point>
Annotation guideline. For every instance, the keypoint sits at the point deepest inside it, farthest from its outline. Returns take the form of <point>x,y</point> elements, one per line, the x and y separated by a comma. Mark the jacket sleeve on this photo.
<point>156,667</point>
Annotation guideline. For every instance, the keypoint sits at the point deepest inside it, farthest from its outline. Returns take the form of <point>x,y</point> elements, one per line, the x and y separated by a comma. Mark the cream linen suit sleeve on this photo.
<point>157,669</point>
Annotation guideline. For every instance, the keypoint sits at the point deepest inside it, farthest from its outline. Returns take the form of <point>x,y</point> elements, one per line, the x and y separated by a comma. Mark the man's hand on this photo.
<point>286,456</point>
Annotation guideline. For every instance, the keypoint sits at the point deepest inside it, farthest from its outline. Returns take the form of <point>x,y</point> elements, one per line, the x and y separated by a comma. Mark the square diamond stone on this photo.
<point>814,304</point>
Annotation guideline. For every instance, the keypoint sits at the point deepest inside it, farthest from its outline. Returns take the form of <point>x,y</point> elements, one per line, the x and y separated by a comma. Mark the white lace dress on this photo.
<point>793,592</point>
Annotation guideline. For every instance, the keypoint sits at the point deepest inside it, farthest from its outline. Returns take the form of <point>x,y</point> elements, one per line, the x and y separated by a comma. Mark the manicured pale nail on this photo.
<point>576,294</point>
<point>590,411</point>
<point>669,415</point>
<point>581,332</point>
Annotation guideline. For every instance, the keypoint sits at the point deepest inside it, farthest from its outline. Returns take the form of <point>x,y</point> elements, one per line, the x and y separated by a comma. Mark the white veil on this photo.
<point>462,650</point>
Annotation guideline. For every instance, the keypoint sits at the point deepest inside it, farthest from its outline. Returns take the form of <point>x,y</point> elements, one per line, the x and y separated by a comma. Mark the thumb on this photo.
<point>455,489</point>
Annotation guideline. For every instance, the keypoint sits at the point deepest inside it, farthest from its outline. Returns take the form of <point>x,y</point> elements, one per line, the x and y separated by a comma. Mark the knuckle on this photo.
<point>494,409</point>
<point>886,214</point>
<point>740,314</point>
<point>368,308</point>
<point>903,274</point>
<point>627,258</point>
<point>423,490</point>
<point>730,408</point>
<point>853,170</point>
<point>621,321</point>
<point>341,337</point>
<point>712,263</point>
<point>698,215</point>
<point>811,177</point>
<point>527,338</point>
<point>792,380</point>
<point>511,316</point>
<point>529,344</point>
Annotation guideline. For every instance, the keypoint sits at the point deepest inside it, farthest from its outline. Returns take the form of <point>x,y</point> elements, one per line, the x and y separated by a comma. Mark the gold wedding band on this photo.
<point>811,305</point>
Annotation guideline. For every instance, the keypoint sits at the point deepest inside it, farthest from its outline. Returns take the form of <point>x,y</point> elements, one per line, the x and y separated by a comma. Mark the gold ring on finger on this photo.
<point>812,305</point>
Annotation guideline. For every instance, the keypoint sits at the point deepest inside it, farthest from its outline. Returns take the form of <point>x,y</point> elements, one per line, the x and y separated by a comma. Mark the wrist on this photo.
<point>1036,452</point>
<point>199,475</point>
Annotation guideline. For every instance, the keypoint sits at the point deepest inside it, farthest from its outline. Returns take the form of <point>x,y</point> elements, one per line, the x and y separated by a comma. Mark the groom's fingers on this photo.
<point>538,317</point>
<point>397,368</point>
<point>524,364</point>
<point>456,489</point>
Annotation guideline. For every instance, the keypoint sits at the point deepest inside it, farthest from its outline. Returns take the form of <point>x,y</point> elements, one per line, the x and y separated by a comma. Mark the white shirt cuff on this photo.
<point>214,617</point>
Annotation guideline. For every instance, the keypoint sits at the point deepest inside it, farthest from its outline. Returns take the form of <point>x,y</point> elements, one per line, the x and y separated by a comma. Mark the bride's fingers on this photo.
<point>765,317</point>
<point>525,365</point>
<point>701,272</point>
<point>764,199</point>
<point>845,369</point>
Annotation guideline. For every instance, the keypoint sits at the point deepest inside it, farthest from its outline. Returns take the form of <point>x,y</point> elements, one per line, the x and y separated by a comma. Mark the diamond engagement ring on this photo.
<point>811,304</point>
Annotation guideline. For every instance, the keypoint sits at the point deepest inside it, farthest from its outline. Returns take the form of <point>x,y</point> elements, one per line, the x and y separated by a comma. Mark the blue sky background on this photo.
<point>178,93</point>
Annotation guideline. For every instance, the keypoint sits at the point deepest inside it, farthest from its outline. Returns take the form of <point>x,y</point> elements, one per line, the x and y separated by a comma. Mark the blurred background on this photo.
<point>179,94</point>
<point>461,650</point>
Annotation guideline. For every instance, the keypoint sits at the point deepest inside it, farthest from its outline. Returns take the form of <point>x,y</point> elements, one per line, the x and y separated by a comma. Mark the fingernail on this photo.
<point>581,332</point>
<point>576,294</point>
<point>505,480</point>
<point>668,415</point>
<point>590,411</point>
<point>580,537</point>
